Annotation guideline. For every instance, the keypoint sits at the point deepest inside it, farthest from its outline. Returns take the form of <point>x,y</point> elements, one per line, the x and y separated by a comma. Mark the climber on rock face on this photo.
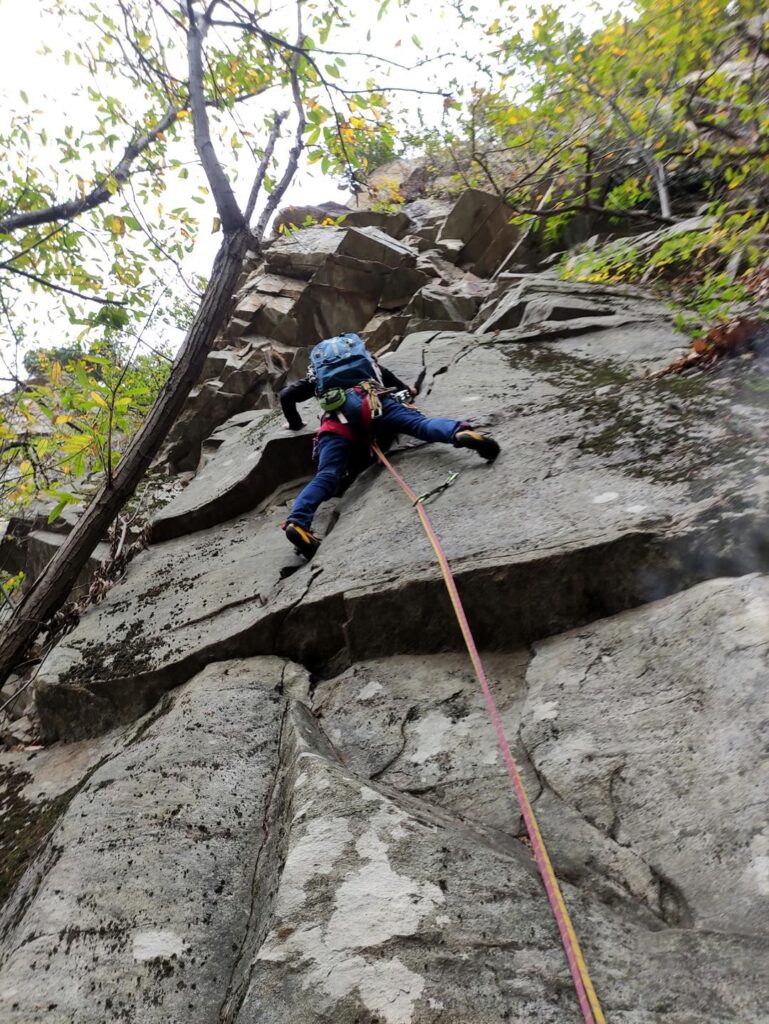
<point>359,407</point>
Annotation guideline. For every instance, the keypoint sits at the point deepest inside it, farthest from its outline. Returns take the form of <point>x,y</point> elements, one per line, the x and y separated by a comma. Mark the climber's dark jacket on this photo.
<point>303,389</point>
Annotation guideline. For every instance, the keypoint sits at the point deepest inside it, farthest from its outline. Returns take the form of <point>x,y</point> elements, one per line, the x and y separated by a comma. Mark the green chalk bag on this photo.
<point>332,399</point>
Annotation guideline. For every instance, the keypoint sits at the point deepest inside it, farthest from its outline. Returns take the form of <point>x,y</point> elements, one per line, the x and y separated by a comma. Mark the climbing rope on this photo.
<point>588,1000</point>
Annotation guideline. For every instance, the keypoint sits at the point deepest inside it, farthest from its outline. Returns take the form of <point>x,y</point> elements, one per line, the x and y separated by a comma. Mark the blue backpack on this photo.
<point>342,362</point>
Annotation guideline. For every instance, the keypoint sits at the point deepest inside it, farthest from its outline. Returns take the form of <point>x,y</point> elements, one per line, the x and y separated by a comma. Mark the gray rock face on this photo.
<point>302,253</point>
<point>394,224</point>
<point>163,945</point>
<point>607,504</point>
<point>311,821</point>
<point>674,767</point>
<point>369,863</point>
<point>243,475</point>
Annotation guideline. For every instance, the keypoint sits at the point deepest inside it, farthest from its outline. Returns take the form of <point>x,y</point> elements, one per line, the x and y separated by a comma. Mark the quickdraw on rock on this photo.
<point>588,1000</point>
<point>429,495</point>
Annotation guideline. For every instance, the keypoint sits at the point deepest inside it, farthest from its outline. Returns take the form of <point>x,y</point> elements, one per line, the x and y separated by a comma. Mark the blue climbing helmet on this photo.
<point>342,362</point>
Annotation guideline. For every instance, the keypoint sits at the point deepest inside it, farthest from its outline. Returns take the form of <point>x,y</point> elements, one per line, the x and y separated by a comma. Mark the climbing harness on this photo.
<point>588,1000</point>
<point>371,392</point>
<point>429,495</point>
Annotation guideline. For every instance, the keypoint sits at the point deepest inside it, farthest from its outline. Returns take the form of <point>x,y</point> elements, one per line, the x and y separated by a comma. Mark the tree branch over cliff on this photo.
<point>102,192</point>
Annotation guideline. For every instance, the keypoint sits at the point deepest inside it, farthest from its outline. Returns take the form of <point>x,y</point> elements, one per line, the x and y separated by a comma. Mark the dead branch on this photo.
<point>227,207</point>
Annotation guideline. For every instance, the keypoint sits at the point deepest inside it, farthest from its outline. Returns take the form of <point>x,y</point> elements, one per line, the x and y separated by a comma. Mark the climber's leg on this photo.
<point>401,419</point>
<point>333,453</point>
<point>404,420</point>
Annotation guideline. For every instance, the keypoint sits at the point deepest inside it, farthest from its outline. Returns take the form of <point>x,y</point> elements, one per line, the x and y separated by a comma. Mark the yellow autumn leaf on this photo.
<point>61,420</point>
<point>99,399</point>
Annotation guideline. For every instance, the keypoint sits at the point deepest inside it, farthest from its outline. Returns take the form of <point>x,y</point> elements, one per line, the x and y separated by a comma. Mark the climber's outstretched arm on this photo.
<point>299,391</point>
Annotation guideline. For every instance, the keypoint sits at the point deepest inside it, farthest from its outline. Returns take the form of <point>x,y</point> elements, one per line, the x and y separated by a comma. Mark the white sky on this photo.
<point>52,89</point>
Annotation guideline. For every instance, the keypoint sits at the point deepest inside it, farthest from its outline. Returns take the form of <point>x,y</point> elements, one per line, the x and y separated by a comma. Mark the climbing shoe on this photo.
<point>482,443</point>
<point>305,542</point>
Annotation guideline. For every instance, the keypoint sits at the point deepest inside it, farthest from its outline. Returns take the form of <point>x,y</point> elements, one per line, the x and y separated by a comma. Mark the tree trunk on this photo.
<point>50,589</point>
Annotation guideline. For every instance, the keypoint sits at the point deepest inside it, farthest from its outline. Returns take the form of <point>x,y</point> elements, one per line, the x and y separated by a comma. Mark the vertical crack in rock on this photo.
<point>263,880</point>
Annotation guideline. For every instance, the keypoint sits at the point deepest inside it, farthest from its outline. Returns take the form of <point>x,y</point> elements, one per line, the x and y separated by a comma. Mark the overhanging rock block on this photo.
<point>277,317</point>
<point>394,224</point>
<point>304,252</point>
<point>399,286</point>
<point>372,244</point>
<point>342,296</point>
<point>482,222</point>
<point>252,461</point>
<point>439,303</point>
<point>382,330</point>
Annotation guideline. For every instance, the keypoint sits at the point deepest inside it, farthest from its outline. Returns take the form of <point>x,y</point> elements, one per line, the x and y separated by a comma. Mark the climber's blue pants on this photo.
<point>333,451</point>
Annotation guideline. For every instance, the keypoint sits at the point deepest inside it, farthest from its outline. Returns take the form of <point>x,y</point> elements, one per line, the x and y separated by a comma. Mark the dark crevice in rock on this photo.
<point>410,715</point>
<point>267,865</point>
<point>299,733</point>
<point>250,599</point>
<point>675,910</point>
<point>613,827</point>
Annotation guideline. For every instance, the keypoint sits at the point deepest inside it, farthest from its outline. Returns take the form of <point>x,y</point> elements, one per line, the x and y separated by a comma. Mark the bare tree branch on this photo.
<point>226,204</point>
<point>66,291</point>
<point>293,159</point>
<point>101,193</point>
<point>261,172</point>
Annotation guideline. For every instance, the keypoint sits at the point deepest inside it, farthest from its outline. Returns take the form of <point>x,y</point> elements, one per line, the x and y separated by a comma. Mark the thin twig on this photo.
<point>67,291</point>
<point>263,165</point>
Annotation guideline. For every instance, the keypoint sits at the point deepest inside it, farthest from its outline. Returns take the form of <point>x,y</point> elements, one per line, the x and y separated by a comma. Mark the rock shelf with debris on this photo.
<point>268,790</point>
